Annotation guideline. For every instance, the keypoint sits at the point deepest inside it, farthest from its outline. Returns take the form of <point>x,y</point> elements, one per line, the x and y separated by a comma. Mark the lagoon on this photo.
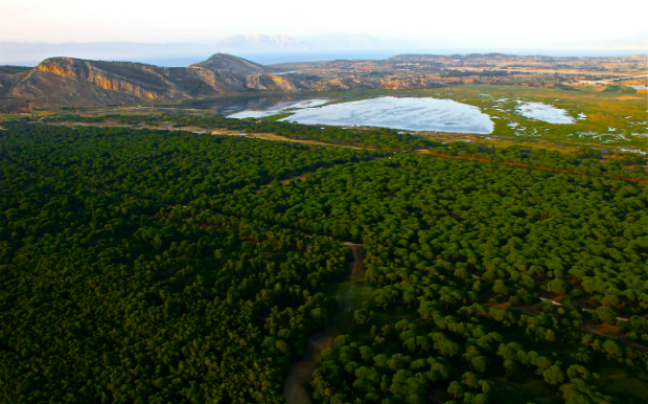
<point>544,112</point>
<point>279,108</point>
<point>405,113</point>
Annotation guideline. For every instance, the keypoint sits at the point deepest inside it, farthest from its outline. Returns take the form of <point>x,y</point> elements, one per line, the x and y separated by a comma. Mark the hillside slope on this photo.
<point>232,64</point>
<point>68,82</point>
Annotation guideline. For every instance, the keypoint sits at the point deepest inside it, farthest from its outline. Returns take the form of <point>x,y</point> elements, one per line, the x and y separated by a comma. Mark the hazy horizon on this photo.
<point>156,33</point>
<point>499,24</point>
<point>183,54</point>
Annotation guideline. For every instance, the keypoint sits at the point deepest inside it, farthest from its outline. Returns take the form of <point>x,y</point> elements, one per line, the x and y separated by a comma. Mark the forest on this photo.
<point>157,266</point>
<point>586,160</point>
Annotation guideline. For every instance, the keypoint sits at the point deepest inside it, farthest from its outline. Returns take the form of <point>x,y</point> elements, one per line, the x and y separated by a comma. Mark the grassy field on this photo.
<point>611,118</point>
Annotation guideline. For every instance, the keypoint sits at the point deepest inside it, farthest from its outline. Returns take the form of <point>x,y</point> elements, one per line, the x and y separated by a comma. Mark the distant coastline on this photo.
<point>269,58</point>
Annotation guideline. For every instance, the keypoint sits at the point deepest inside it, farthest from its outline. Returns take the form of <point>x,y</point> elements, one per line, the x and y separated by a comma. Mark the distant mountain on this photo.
<point>637,41</point>
<point>255,44</point>
<point>260,44</point>
<point>222,62</point>
<point>343,42</point>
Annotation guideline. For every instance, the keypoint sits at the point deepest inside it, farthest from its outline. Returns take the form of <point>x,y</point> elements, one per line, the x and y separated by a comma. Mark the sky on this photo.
<point>494,23</point>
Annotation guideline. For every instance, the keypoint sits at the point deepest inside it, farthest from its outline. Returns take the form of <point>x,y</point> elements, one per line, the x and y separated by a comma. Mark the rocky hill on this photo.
<point>222,62</point>
<point>68,82</point>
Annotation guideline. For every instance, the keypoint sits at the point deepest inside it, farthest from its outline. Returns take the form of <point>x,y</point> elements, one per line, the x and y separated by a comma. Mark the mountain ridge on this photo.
<point>71,82</point>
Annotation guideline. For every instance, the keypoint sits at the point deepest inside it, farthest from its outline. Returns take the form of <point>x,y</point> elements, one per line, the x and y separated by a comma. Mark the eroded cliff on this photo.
<point>67,82</point>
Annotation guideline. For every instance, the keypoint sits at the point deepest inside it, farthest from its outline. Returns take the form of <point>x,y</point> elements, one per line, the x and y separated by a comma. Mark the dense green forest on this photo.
<point>150,266</point>
<point>587,160</point>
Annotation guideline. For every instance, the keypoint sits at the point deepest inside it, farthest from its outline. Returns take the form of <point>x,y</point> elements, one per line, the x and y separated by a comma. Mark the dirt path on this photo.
<point>275,137</point>
<point>301,371</point>
<point>272,136</point>
<point>199,130</point>
<point>604,330</point>
<point>599,329</point>
<point>357,269</point>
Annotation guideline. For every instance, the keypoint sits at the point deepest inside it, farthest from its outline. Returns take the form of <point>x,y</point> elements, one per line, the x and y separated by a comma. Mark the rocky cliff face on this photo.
<point>68,82</point>
<point>60,82</point>
<point>75,82</point>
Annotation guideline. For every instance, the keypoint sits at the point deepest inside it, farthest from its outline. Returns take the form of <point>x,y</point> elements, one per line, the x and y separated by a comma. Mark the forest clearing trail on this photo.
<point>346,293</point>
<point>275,137</point>
<point>199,130</point>
<point>599,329</point>
<point>302,177</point>
<point>603,330</point>
<point>357,269</point>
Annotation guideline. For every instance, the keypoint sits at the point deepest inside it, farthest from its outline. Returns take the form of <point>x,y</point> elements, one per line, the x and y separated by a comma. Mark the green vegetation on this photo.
<point>375,138</point>
<point>150,266</point>
<point>619,89</point>
<point>612,89</point>
<point>447,244</point>
<point>625,111</point>
<point>378,138</point>
<point>116,288</point>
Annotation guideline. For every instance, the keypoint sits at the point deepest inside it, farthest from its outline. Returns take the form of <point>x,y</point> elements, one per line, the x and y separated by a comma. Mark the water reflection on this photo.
<point>407,113</point>
<point>232,105</point>
<point>546,113</point>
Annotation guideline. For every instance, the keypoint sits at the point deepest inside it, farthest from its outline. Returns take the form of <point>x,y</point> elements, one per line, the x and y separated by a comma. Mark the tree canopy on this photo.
<point>152,266</point>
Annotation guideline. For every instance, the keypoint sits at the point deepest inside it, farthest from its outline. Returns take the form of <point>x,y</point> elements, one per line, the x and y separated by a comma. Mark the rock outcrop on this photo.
<point>67,82</point>
<point>223,62</point>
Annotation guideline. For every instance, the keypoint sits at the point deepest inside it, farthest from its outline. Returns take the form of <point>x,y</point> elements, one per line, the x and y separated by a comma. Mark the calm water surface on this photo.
<point>547,113</point>
<point>404,113</point>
